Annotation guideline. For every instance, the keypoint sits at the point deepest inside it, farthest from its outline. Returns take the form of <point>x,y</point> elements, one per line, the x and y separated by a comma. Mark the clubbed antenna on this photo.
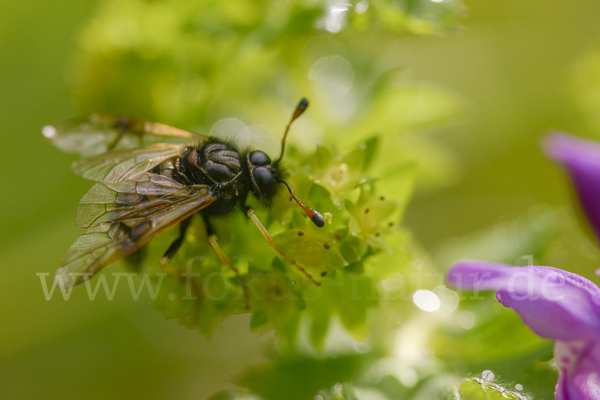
<point>314,215</point>
<point>300,108</point>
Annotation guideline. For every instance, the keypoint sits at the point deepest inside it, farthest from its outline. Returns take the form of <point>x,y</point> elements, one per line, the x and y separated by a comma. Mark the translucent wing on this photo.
<point>118,165</point>
<point>100,133</point>
<point>120,218</point>
<point>114,149</point>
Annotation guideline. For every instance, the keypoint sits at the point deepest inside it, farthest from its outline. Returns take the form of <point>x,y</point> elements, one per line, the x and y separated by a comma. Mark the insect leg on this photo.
<point>116,141</point>
<point>170,253</point>
<point>134,261</point>
<point>214,242</point>
<point>176,245</point>
<point>122,125</point>
<point>250,212</point>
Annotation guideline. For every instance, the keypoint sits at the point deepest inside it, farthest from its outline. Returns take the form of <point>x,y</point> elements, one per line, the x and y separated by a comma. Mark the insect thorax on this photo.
<point>219,166</point>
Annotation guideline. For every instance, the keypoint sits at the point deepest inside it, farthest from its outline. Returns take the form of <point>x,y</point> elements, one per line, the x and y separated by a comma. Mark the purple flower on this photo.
<point>556,305</point>
<point>581,158</point>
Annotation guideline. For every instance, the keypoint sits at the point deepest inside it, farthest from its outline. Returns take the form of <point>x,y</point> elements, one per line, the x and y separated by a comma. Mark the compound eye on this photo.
<point>264,179</point>
<point>259,158</point>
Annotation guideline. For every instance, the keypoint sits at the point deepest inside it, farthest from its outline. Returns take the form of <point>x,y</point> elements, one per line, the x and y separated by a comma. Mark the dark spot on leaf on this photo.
<point>324,273</point>
<point>376,234</point>
<point>300,233</point>
<point>327,245</point>
<point>382,198</point>
<point>391,224</point>
<point>367,210</point>
<point>276,290</point>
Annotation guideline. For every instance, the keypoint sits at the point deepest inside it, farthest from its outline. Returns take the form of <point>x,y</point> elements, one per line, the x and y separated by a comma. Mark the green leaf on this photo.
<point>317,249</point>
<point>349,297</point>
<point>258,319</point>
<point>321,318</point>
<point>301,378</point>
<point>362,157</point>
<point>481,389</point>
<point>272,295</point>
<point>371,216</point>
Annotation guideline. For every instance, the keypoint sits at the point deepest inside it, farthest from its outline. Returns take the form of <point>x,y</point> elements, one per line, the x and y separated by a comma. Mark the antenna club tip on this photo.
<point>303,103</point>
<point>318,219</point>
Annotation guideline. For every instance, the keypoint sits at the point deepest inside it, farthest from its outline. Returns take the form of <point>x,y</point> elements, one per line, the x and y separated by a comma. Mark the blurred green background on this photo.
<point>521,68</point>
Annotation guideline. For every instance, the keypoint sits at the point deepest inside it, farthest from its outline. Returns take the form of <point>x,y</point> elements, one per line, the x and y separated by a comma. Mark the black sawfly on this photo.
<point>151,177</point>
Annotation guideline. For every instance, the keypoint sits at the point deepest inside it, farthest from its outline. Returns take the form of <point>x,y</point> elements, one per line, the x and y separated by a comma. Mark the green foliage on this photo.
<point>233,70</point>
<point>217,66</point>
<point>192,63</point>
<point>481,389</point>
<point>301,378</point>
<point>236,68</point>
<point>359,221</point>
<point>496,357</point>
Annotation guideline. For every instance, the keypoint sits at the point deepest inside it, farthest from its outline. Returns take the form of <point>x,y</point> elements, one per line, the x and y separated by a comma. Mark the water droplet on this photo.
<point>49,131</point>
<point>487,375</point>
<point>426,300</point>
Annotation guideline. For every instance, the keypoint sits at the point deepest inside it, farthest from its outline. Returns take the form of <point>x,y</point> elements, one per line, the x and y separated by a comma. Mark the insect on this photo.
<point>151,177</point>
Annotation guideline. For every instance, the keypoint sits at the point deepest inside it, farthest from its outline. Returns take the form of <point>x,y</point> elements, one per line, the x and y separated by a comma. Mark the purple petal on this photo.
<point>554,303</point>
<point>579,365</point>
<point>581,158</point>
